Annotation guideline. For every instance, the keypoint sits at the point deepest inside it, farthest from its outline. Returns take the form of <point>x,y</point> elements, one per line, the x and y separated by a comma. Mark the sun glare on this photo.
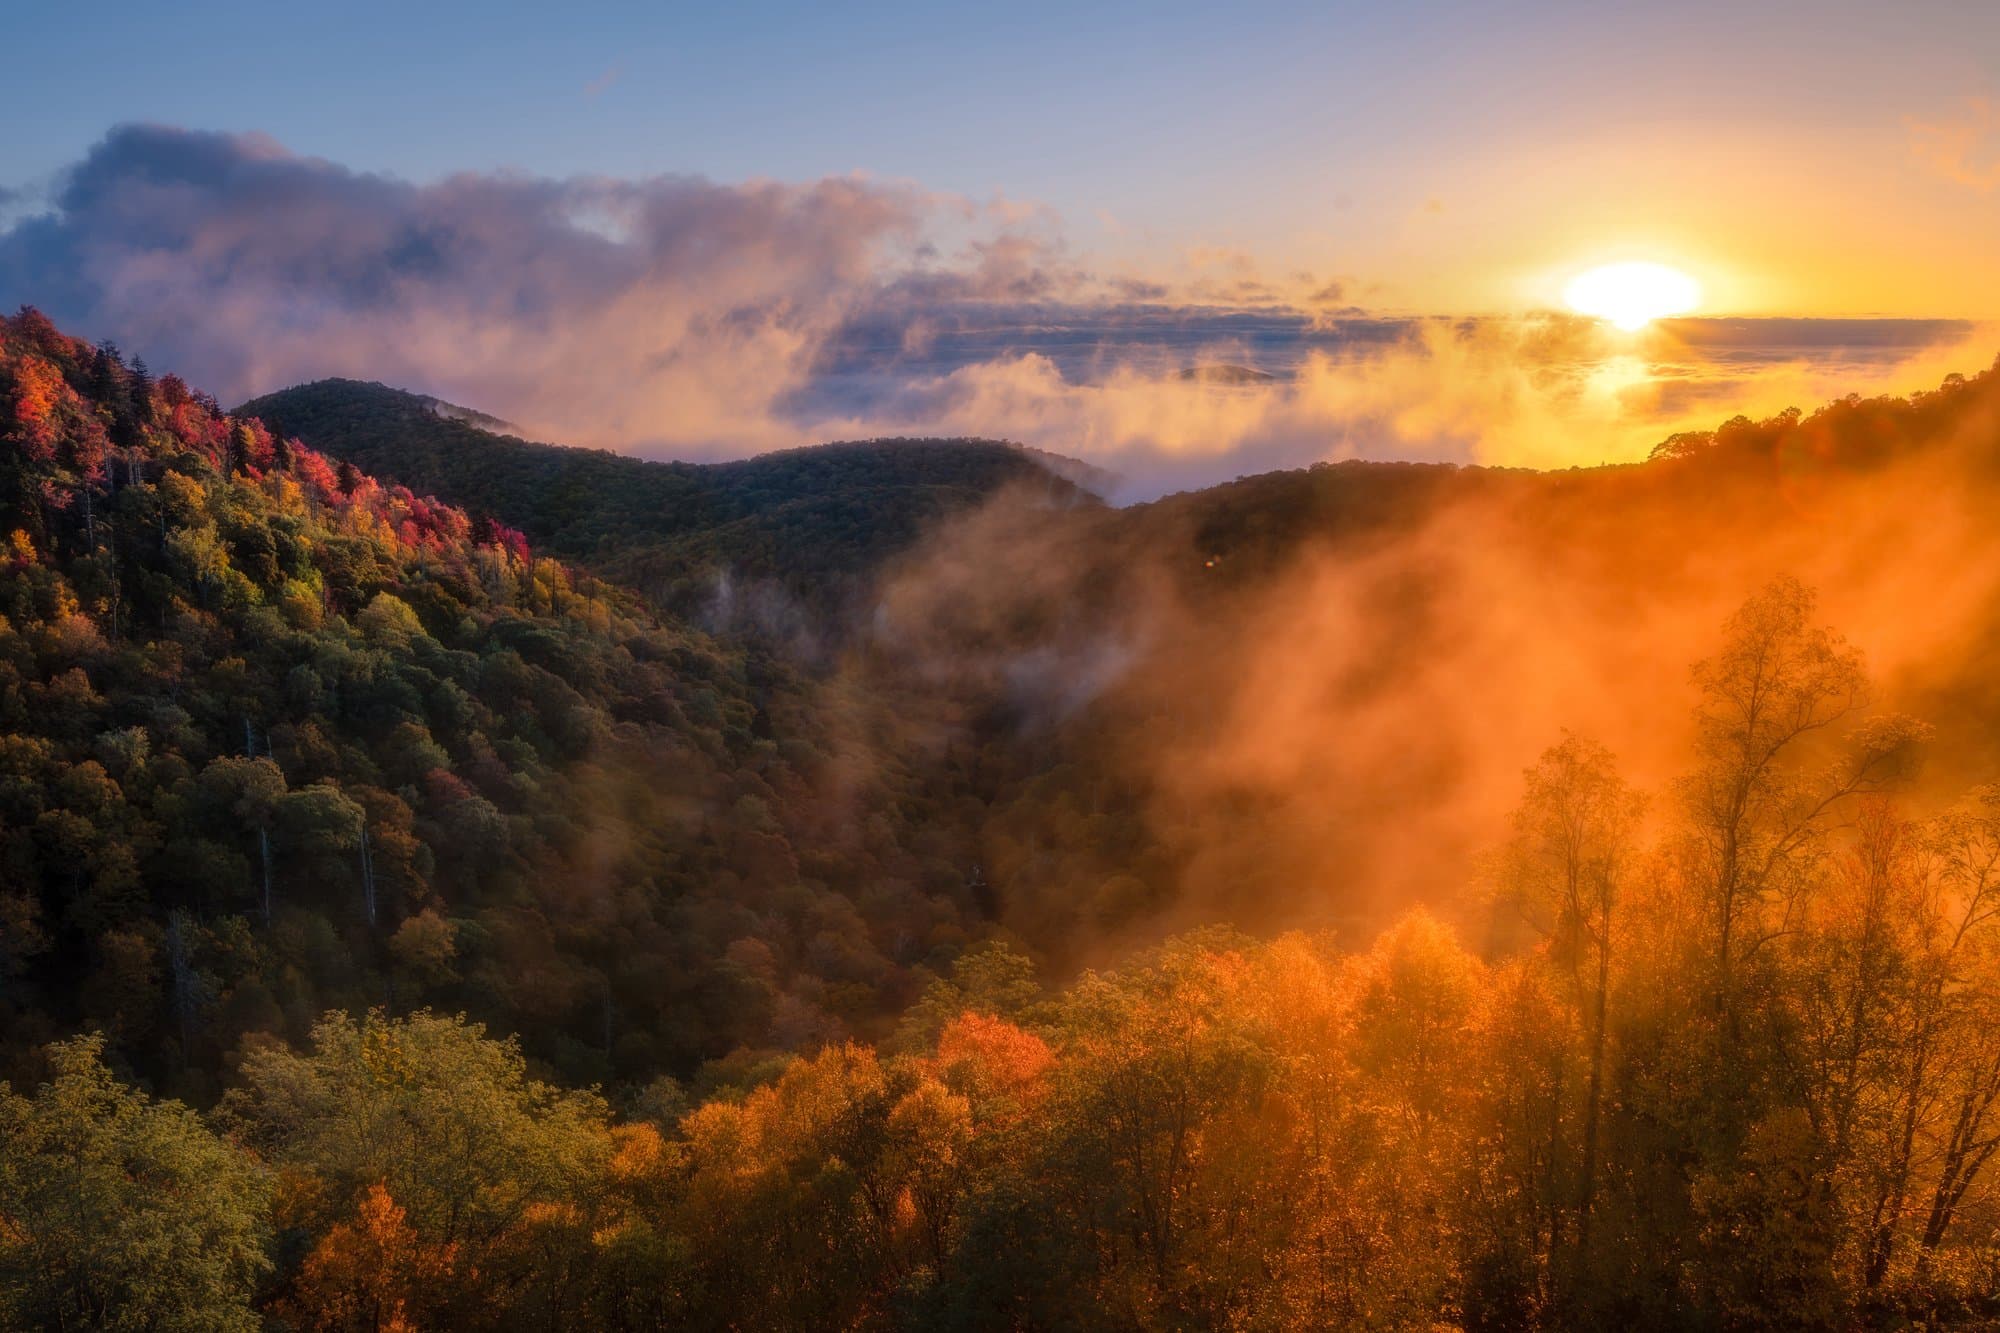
<point>1632,295</point>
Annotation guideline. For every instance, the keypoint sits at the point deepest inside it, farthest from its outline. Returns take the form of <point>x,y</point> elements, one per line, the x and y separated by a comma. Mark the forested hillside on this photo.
<point>1186,711</point>
<point>1324,901</point>
<point>1740,1073</point>
<point>716,540</point>
<point>277,739</point>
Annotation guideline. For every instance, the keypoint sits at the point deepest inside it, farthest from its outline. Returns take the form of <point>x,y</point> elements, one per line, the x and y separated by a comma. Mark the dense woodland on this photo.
<point>734,544</point>
<point>401,928</point>
<point>279,739</point>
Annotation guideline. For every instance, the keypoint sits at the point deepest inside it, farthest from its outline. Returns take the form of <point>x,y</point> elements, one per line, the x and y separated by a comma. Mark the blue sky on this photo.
<point>1433,148</point>
<point>972,101</point>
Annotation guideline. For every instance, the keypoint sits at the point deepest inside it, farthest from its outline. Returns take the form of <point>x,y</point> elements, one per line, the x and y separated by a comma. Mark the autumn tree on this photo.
<point>435,1112</point>
<point>1564,869</point>
<point>1756,811</point>
<point>368,1274</point>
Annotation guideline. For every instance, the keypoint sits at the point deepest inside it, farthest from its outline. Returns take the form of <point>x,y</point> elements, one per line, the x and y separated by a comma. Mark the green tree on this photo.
<point>121,1212</point>
<point>442,1116</point>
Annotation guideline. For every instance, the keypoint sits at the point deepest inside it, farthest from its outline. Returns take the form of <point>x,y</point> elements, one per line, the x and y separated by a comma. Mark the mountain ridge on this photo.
<point>816,520</point>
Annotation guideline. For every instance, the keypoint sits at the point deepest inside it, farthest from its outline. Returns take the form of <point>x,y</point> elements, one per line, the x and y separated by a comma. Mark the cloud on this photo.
<point>667,310</point>
<point>1010,266</point>
<point>1961,147</point>
<point>665,315</point>
<point>1140,289</point>
<point>676,316</point>
<point>1542,390</point>
<point>603,83</point>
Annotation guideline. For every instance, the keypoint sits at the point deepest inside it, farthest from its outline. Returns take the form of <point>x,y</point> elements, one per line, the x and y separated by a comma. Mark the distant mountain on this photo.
<point>1225,373</point>
<point>815,522</point>
<point>471,417</point>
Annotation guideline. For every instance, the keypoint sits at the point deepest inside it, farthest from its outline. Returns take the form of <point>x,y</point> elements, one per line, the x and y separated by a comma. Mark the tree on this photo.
<point>1950,1087</point>
<point>320,824</point>
<point>429,1108</point>
<point>995,979</point>
<point>1564,869</point>
<point>251,791</point>
<point>426,947</point>
<point>1156,1050</point>
<point>121,1212</point>
<point>21,938</point>
<point>1755,818</point>
<point>370,1273</point>
<point>929,1140</point>
<point>786,1202</point>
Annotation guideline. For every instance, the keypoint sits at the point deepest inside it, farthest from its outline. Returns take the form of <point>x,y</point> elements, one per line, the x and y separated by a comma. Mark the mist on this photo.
<point>1319,690</point>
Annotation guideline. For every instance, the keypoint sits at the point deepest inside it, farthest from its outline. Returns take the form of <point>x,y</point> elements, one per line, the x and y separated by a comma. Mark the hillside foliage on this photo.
<point>733,542</point>
<point>276,738</point>
<point>402,927</point>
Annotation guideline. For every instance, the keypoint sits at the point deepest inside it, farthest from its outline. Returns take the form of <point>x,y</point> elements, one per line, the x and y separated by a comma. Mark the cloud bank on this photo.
<point>665,309</point>
<point>675,316</point>
<point>1540,390</point>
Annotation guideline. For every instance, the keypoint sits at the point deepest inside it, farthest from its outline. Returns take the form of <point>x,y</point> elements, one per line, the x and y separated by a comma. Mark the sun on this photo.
<point>1632,295</point>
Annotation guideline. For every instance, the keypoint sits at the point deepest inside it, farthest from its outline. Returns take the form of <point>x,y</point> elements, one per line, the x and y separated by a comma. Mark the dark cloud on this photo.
<point>1012,267</point>
<point>663,308</point>
<point>1140,289</point>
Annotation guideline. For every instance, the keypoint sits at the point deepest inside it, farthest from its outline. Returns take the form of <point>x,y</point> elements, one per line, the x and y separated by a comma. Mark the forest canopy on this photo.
<point>1740,1073</point>
<point>405,926</point>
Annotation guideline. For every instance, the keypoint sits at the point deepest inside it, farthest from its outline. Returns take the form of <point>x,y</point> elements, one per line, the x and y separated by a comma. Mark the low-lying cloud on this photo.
<point>675,316</point>
<point>1539,390</point>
